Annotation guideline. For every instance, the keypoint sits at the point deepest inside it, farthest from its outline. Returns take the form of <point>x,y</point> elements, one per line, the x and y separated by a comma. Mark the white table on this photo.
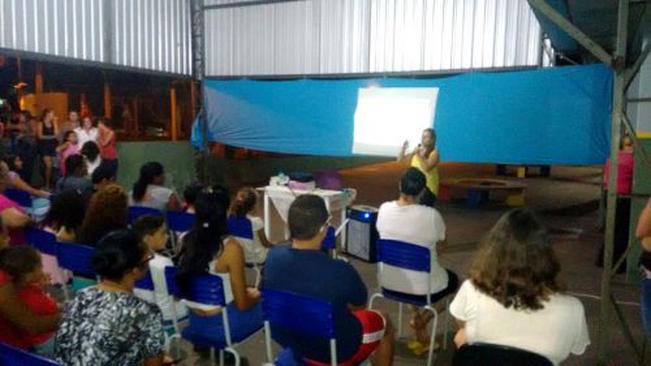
<point>282,197</point>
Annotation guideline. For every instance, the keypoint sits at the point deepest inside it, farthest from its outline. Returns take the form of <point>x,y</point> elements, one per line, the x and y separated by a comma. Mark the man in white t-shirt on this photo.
<point>407,221</point>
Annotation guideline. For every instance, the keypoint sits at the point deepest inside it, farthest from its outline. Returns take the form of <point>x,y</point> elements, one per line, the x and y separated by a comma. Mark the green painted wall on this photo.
<point>179,161</point>
<point>641,185</point>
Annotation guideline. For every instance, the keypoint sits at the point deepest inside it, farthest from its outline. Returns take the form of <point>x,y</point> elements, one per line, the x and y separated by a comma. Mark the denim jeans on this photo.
<point>645,305</point>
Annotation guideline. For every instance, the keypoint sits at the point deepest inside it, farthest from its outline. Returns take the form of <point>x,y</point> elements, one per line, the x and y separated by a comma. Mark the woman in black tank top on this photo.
<point>47,143</point>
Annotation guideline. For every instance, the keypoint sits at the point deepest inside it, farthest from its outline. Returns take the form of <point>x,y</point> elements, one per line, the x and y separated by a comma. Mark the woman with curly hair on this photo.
<point>513,296</point>
<point>107,211</point>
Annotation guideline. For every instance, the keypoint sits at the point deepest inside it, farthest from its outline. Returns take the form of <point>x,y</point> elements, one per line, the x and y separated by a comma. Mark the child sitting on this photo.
<point>243,206</point>
<point>190,196</point>
<point>68,147</point>
<point>23,264</point>
<point>152,231</point>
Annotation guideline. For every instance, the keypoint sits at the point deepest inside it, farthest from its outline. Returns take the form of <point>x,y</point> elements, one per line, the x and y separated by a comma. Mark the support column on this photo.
<point>173,120</point>
<point>619,62</point>
<point>38,86</point>
<point>108,113</point>
<point>198,74</point>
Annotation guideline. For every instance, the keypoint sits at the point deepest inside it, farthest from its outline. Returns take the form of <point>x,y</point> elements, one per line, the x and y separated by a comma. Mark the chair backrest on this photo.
<point>404,255</point>
<point>180,221</point>
<point>76,258</point>
<point>10,356</point>
<point>205,289</point>
<point>146,282</point>
<point>136,211</point>
<point>42,240</point>
<point>240,227</point>
<point>330,240</point>
<point>19,196</point>
<point>489,354</point>
<point>298,313</point>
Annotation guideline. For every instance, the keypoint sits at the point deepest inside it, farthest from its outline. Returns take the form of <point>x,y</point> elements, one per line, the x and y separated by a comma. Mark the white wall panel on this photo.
<point>146,34</point>
<point>343,36</point>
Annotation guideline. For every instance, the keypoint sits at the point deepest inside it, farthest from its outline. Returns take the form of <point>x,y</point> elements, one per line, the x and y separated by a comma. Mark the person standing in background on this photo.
<point>70,125</point>
<point>86,132</point>
<point>46,135</point>
<point>425,158</point>
<point>106,142</point>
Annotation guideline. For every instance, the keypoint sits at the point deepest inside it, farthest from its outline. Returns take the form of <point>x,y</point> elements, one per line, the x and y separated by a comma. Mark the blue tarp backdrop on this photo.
<point>547,116</point>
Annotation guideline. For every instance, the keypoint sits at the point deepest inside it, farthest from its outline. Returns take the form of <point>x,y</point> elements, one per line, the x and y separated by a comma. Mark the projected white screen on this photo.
<point>386,117</point>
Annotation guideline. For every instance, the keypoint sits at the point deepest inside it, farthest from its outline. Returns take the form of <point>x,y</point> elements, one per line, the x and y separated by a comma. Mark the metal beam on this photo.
<point>571,30</point>
<point>611,205</point>
<point>241,4</point>
<point>630,73</point>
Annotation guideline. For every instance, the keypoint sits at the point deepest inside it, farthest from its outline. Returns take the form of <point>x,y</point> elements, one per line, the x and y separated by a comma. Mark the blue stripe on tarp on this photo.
<point>546,116</point>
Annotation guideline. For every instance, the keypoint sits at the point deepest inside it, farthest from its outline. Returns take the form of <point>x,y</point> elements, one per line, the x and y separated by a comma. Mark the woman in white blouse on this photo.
<point>513,296</point>
<point>86,132</point>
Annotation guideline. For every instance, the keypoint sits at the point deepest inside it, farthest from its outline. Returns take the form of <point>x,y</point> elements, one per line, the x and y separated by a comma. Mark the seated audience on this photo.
<point>149,190</point>
<point>90,151</point>
<point>106,324</point>
<point>63,220</point>
<point>406,220</point>
<point>67,148</point>
<point>207,249</point>
<point>513,296</point>
<point>153,232</point>
<point>643,233</point>
<point>15,165</point>
<point>304,269</point>
<point>23,265</point>
<point>13,216</point>
<point>104,174</point>
<point>190,196</point>
<point>107,211</point>
<point>16,319</point>
<point>75,177</point>
<point>243,206</point>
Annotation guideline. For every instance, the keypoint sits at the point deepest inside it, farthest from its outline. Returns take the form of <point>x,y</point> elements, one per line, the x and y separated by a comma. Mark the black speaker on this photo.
<point>361,234</point>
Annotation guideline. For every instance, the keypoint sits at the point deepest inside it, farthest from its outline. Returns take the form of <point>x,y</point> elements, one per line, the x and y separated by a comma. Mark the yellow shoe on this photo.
<point>424,349</point>
<point>414,344</point>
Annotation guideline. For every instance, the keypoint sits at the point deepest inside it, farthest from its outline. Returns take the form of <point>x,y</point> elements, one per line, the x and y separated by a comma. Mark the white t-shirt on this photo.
<point>254,251</point>
<point>163,300</point>
<point>92,165</point>
<point>414,224</point>
<point>83,136</point>
<point>555,331</point>
<point>155,197</point>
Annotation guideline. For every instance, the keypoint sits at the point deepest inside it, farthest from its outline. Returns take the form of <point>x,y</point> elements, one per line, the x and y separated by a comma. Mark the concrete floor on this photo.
<point>568,203</point>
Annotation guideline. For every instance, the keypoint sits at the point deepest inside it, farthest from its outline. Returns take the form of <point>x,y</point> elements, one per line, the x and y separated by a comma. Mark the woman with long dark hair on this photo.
<point>149,189</point>
<point>513,296</point>
<point>47,143</point>
<point>90,151</point>
<point>107,211</point>
<point>207,249</point>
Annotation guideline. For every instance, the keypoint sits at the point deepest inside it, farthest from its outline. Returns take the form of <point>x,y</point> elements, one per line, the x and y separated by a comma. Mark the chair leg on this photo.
<point>212,355</point>
<point>399,320</point>
<point>267,341</point>
<point>446,325</point>
<point>373,297</point>
<point>221,357</point>
<point>234,353</point>
<point>432,339</point>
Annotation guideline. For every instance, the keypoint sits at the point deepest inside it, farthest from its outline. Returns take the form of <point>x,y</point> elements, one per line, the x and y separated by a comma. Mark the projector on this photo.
<point>361,234</point>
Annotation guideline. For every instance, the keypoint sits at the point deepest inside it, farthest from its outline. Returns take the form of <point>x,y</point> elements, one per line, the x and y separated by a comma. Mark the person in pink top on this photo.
<point>106,142</point>
<point>68,147</point>
<point>11,213</point>
<point>625,170</point>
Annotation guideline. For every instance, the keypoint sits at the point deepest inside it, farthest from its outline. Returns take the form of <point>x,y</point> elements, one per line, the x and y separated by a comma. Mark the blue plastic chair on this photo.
<point>208,289</point>
<point>241,227</point>
<point>415,258</point>
<point>42,240</point>
<point>298,314</point>
<point>147,283</point>
<point>136,211</point>
<point>11,356</point>
<point>77,259</point>
<point>20,197</point>
<point>180,221</point>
